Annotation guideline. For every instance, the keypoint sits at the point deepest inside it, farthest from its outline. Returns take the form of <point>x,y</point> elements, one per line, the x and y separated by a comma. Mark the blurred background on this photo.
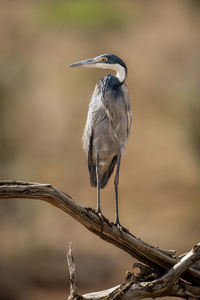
<point>43,109</point>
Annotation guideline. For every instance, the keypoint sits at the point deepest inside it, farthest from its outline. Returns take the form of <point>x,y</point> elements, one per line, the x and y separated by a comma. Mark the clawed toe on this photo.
<point>119,226</point>
<point>100,215</point>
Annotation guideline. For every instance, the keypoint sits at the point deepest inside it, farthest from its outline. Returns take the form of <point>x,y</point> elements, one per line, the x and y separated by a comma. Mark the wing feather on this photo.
<point>114,105</point>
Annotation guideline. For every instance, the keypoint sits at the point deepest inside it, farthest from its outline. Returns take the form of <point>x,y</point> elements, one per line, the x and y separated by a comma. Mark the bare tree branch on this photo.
<point>167,285</point>
<point>72,275</point>
<point>158,259</point>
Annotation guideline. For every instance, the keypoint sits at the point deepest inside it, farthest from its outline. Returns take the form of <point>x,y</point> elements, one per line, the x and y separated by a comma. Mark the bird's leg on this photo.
<point>116,181</point>
<point>98,186</point>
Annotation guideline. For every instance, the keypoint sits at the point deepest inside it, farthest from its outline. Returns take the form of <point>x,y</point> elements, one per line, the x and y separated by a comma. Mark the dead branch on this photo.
<point>134,287</point>
<point>159,260</point>
<point>72,275</point>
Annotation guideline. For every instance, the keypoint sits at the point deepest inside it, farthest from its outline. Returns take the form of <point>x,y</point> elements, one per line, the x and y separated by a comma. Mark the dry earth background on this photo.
<point>43,108</point>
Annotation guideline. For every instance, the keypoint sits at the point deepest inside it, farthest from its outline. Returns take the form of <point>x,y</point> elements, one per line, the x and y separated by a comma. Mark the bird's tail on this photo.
<point>93,177</point>
<point>103,177</point>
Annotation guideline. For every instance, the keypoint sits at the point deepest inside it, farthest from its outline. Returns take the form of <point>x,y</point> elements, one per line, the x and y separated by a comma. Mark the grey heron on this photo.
<point>108,124</point>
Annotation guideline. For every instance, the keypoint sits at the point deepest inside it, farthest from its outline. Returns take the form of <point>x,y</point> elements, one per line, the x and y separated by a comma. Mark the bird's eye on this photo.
<point>104,59</point>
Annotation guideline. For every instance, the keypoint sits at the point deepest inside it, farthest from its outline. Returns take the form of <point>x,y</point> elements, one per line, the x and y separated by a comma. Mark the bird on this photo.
<point>108,124</point>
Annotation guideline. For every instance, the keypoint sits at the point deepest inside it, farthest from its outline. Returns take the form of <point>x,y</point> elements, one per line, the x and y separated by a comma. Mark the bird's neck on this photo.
<point>121,72</point>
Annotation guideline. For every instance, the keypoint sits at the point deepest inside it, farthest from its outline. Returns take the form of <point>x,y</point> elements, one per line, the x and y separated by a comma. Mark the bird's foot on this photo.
<point>99,213</point>
<point>101,219</point>
<point>119,226</point>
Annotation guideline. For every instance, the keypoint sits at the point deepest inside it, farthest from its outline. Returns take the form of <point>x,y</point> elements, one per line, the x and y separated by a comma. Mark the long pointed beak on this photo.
<point>83,63</point>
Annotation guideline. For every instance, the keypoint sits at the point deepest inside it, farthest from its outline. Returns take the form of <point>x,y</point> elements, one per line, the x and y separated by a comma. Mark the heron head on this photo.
<point>105,61</point>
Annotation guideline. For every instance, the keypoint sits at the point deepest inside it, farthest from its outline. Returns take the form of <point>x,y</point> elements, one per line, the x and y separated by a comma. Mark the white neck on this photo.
<point>121,72</point>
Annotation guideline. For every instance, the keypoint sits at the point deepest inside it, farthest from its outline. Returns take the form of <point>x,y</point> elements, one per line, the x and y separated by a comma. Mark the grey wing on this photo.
<point>96,119</point>
<point>108,124</point>
<point>95,114</point>
<point>118,110</point>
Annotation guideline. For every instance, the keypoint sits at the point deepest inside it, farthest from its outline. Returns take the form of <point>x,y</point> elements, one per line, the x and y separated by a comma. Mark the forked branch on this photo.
<point>159,260</point>
<point>139,287</point>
